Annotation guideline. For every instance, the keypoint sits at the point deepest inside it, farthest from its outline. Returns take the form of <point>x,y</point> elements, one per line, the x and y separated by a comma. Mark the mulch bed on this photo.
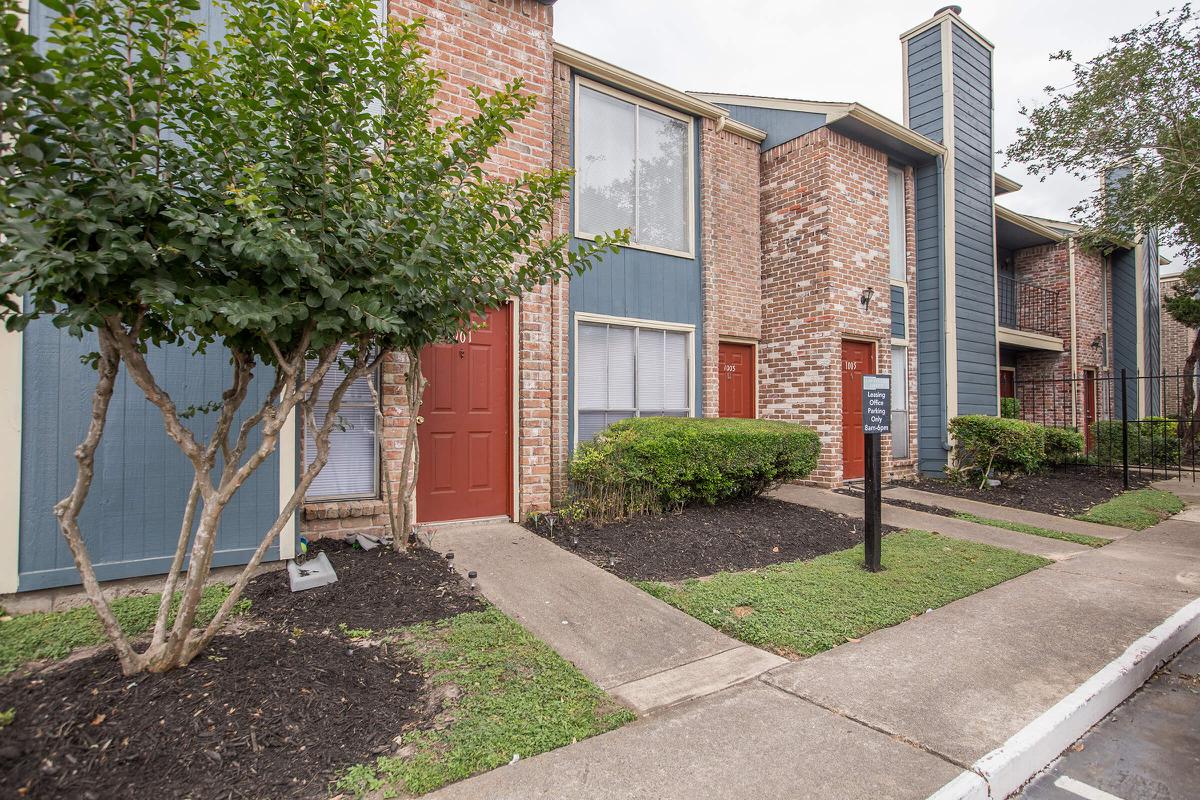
<point>704,540</point>
<point>269,712</point>
<point>1064,491</point>
<point>376,589</point>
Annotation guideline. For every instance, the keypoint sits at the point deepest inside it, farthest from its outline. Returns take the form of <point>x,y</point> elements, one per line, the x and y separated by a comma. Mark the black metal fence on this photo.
<point>1028,307</point>
<point>1143,424</point>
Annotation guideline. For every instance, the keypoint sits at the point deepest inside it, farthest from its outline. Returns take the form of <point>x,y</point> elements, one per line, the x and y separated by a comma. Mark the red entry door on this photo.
<point>858,359</point>
<point>736,380</point>
<point>1008,383</point>
<point>1089,407</point>
<point>466,436</point>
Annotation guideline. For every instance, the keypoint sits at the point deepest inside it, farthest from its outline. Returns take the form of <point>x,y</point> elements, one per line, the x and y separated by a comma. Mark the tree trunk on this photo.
<point>414,389</point>
<point>1189,418</point>
<point>385,467</point>
<point>67,510</point>
<point>292,390</point>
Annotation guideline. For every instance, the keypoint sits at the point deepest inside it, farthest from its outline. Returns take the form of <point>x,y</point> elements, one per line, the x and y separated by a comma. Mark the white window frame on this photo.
<point>581,83</point>
<point>901,344</point>
<point>373,494</point>
<point>628,322</point>
<point>893,281</point>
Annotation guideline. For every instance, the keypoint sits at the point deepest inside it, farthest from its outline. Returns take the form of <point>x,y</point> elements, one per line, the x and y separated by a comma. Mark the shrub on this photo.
<point>1063,445</point>
<point>1010,408</point>
<point>1009,446</point>
<point>1152,441</point>
<point>651,464</point>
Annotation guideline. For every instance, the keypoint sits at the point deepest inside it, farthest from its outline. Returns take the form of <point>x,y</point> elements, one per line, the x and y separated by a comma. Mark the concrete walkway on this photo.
<point>897,715</point>
<point>992,511</point>
<point>643,652</point>
<point>1053,549</point>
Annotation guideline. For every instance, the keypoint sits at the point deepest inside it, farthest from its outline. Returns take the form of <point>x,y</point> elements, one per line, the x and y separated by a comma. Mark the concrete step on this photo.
<point>697,679</point>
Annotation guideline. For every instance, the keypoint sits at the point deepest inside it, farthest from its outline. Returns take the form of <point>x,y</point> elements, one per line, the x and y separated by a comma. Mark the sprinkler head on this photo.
<point>574,541</point>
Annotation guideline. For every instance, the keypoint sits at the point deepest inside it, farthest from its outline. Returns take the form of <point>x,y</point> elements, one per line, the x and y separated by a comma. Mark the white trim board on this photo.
<point>11,358</point>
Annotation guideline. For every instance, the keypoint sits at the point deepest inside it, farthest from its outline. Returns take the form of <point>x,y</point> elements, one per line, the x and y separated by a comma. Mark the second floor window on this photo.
<point>633,170</point>
<point>897,240</point>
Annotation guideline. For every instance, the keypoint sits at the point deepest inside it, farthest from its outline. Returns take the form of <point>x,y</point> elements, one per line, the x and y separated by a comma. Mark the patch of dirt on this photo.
<point>258,715</point>
<point>703,540</point>
<point>268,711</point>
<point>1064,491</point>
<point>376,589</point>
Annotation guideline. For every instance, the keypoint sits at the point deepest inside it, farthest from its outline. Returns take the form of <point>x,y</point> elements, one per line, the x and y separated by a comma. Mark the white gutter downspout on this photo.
<point>1074,329</point>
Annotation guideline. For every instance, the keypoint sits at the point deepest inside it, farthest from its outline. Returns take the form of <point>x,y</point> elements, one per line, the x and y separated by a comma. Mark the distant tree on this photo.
<point>285,194</point>
<point>1132,114</point>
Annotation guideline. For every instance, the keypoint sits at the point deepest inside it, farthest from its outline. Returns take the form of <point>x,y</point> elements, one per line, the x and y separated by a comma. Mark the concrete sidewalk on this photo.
<point>899,714</point>
<point>992,511</point>
<point>1053,549</point>
<point>642,651</point>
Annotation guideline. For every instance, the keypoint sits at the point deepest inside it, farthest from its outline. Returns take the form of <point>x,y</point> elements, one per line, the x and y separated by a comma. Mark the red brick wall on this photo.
<point>824,240</point>
<point>1176,342</point>
<point>483,43</point>
<point>1049,266</point>
<point>729,246</point>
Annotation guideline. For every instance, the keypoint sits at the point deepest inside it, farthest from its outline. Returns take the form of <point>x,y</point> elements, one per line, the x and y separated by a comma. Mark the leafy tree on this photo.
<point>284,193</point>
<point>1132,114</point>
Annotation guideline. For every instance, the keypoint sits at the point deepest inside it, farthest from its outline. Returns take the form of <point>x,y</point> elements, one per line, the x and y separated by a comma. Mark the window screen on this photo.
<point>633,171</point>
<point>900,402</point>
<point>624,371</point>
<point>353,467</point>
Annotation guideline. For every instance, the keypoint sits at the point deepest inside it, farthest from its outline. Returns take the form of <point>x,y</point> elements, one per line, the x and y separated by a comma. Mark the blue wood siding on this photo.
<point>208,15</point>
<point>1151,320</point>
<point>925,116</point>
<point>925,83</point>
<point>642,284</point>
<point>131,519</point>
<point>974,241</point>
<point>931,342</point>
<point>1125,340</point>
<point>899,330</point>
<point>780,125</point>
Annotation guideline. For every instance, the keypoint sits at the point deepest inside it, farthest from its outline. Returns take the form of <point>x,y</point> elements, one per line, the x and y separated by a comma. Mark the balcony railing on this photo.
<point>1028,307</point>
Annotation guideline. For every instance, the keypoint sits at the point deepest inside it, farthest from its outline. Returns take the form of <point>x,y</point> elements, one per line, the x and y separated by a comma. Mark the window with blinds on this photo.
<point>899,402</point>
<point>352,471</point>
<point>633,171</point>
<point>897,240</point>
<point>624,371</point>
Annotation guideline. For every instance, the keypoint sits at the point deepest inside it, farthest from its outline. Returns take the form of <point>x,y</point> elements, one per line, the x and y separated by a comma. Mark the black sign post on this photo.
<point>876,411</point>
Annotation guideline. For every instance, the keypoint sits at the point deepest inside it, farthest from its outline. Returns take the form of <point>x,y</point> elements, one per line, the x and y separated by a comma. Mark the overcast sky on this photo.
<point>849,50</point>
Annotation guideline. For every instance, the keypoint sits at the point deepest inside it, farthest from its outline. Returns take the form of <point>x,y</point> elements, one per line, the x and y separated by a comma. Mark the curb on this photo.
<point>1007,768</point>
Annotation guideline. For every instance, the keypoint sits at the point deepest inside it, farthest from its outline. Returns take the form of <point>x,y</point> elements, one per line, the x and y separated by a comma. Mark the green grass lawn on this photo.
<point>1021,527</point>
<point>514,696</point>
<point>1137,509</point>
<point>805,607</point>
<point>55,634</point>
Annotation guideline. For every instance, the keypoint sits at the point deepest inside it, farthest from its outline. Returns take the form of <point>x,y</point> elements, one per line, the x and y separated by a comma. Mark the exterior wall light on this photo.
<point>866,297</point>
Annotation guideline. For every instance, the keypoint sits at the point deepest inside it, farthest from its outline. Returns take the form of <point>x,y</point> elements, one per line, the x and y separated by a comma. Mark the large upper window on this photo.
<point>626,371</point>
<point>897,246</point>
<point>352,470</point>
<point>633,170</point>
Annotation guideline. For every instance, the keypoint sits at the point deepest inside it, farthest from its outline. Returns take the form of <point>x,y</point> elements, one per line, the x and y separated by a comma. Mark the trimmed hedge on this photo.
<point>651,464</point>
<point>1063,445</point>
<point>1008,446</point>
<point>1010,408</point>
<point>1153,440</point>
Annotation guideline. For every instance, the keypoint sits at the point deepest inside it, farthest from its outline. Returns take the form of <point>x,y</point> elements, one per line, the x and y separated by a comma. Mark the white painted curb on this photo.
<point>1004,770</point>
